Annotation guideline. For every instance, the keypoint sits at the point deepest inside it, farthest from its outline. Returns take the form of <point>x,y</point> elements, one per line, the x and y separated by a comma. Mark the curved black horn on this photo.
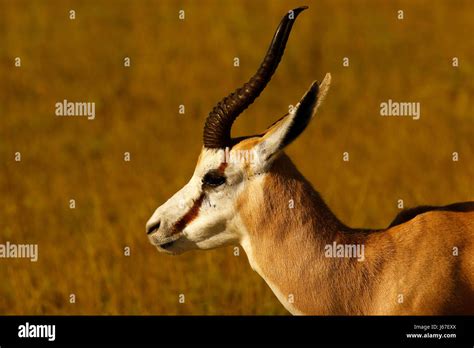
<point>219,122</point>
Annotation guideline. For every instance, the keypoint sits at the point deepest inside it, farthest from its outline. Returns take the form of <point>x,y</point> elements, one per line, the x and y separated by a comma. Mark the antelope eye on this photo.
<point>213,179</point>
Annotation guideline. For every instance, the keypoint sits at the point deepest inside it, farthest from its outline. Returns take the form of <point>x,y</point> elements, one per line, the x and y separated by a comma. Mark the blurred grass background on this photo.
<point>190,62</point>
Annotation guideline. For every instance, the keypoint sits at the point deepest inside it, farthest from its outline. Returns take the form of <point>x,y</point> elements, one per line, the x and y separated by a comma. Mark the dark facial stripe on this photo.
<point>189,216</point>
<point>222,167</point>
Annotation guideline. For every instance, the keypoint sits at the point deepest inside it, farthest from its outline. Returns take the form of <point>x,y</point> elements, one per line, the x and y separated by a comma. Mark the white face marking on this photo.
<point>199,217</point>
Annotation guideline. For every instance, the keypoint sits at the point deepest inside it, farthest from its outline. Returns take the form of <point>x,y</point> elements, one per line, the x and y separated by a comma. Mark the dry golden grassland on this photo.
<point>190,62</point>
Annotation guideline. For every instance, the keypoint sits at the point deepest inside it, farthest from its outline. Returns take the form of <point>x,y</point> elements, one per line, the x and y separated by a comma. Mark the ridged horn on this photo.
<point>219,122</point>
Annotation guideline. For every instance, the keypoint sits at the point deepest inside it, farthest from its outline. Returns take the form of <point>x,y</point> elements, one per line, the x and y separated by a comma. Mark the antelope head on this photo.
<point>203,214</point>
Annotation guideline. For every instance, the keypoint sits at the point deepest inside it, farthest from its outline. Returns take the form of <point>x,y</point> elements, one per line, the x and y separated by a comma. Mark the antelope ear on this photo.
<point>288,128</point>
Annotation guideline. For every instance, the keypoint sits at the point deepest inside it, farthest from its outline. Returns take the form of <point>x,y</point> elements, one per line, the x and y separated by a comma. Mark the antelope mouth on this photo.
<point>165,243</point>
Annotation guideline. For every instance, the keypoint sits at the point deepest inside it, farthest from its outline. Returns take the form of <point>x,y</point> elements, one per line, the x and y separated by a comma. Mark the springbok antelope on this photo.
<point>422,264</point>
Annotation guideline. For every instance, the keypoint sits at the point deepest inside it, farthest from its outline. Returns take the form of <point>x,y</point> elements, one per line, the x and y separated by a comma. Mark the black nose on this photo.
<point>153,227</point>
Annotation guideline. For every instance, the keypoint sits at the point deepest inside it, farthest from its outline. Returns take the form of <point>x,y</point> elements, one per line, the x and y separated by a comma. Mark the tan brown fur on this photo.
<point>414,259</point>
